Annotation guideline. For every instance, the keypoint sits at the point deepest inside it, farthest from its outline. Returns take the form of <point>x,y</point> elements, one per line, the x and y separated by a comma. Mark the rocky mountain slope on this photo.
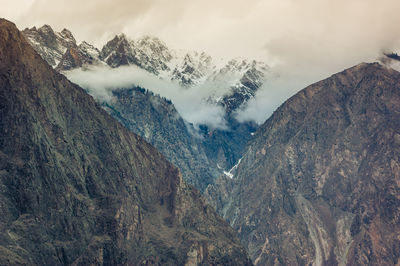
<point>202,156</point>
<point>157,121</point>
<point>78,188</point>
<point>147,53</point>
<point>320,183</point>
<point>205,154</point>
<point>60,49</point>
<point>238,78</point>
<point>49,44</point>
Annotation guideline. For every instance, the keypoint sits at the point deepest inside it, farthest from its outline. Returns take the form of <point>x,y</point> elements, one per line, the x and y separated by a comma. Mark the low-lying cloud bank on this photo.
<point>192,104</point>
<point>268,98</point>
<point>197,104</point>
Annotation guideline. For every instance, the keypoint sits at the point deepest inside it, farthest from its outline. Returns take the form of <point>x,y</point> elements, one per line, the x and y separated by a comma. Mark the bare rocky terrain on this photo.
<point>78,188</point>
<point>320,183</point>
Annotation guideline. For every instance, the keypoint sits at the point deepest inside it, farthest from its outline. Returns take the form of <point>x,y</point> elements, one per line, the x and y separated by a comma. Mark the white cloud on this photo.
<point>268,98</point>
<point>228,28</point>
<point>191,103</point>
<point>303,40</point>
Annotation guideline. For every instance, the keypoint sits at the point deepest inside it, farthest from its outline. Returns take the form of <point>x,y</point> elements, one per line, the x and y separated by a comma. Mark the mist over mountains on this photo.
<point>200,130</point>
<point>78,188</point>
<point>118,147</point>
<point>192,104</point>
<point>203,89</point>
<point>184,69</point>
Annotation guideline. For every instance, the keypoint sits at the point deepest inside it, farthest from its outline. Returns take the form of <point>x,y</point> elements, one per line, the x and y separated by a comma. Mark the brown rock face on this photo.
<point>73,58</point>
<point>320,184</point>
<point>49,44</point>
<point>78,188</point>
<point>156,120</point>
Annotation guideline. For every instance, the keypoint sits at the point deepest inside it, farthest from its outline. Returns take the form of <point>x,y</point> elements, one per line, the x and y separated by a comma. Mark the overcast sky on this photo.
<point>297,29</point>
<point>304,40</point>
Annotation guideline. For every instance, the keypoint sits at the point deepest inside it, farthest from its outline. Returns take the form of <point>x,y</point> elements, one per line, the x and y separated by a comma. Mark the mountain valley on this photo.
<point>201,154</point>
<point>77,188</point>
<point>120,174</point>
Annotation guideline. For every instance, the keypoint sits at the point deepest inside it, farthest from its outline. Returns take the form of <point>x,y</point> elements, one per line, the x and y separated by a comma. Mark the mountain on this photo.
<point>206,154</point>
<point>193,69</point>
<point>320,182</point>
<point>49,44</point>
<point>82,55</point>
<point>148,53</point>
<point>156,120</point>
<point>60,49</point>
<point>233,83</point>
<point>248,77</point>
<point>202,156</point>
<point>238,78</point>
<point>76,187</point>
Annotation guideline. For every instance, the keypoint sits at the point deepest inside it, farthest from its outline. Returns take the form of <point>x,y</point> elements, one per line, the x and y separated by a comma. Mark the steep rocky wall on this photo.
<point>78,188</point>
<point>320,183</point>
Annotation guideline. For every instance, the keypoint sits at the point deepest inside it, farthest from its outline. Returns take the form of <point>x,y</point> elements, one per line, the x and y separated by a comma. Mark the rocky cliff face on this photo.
<point>252,76</point>
<point>238,79</point>
<point>49,44</point>
<point>320,183</point>
<point>201,156</point>
<point>189,68</point>
<point>157,121</point>
<point>60,50</point>
<point>193,69</point>
<point>78,188</point>
<point>148,53</point>
<point>82,55</point>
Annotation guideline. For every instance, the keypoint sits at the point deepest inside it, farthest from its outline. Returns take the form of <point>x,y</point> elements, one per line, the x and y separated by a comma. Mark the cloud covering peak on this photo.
<point>302,40</point>
<point>191,103</point>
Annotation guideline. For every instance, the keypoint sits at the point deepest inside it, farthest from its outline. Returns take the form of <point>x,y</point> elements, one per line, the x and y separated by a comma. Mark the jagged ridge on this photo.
<point>239,77</point>
<point>320,182</point>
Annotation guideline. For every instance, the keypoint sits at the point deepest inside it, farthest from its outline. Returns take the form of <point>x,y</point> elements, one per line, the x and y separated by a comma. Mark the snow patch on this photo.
<point>230,172</point>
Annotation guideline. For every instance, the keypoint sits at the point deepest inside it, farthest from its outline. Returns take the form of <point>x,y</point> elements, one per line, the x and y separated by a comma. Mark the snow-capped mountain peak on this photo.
<point>192,69</point>
<point>67,37</point>
<point>232,82</point>
<point>148,53</point>
<point>45,29</point>
<point>49,44</point>
<point>60,50</point>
